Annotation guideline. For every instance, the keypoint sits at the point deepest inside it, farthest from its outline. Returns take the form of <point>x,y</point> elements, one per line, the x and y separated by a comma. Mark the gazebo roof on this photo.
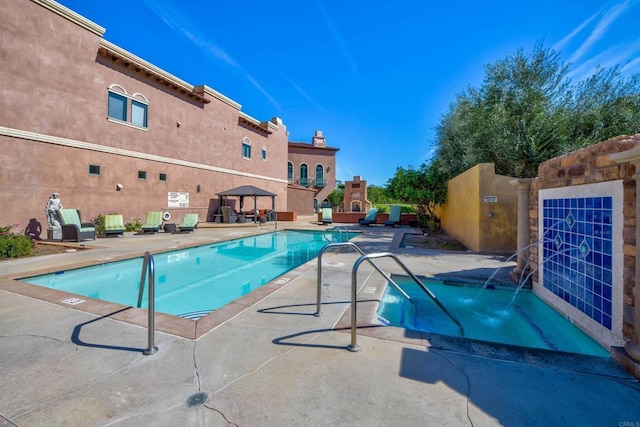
<point>247,190</point>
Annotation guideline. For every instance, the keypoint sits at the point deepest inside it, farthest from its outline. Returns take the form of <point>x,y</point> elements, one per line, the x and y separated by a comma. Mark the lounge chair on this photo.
<point>327,216</point>
<point>189,222</point>
<point>114,224</point>
<point>73,228</point>
<point>394,216</point>
<point>370,217</point>
<point>153,223</point>
<point>228,216</point>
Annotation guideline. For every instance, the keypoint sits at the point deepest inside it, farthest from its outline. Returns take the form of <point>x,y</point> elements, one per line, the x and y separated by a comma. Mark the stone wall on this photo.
<point>587,166</point>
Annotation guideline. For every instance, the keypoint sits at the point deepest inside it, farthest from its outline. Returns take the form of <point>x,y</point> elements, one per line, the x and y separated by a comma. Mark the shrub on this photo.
<point>135,226</point>
<point>98,221</point>
<point>14,245</point>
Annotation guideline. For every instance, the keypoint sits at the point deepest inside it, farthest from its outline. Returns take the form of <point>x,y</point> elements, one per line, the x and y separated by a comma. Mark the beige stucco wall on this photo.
<point>480,224</point>
<point>54,84</point>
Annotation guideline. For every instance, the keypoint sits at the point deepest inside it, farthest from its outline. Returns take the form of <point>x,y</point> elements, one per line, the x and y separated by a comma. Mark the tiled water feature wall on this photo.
<point>582,224</point>
<point>580,260</point>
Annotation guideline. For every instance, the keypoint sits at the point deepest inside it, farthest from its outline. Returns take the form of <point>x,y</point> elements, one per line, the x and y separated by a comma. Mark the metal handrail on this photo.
<point>326,248</point>
<point>149,265</point>
<point>354,346</point>
<point>339,228</point>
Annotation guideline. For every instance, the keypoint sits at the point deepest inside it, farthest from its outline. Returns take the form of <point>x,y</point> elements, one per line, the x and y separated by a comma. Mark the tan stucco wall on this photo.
<point>480,225</point>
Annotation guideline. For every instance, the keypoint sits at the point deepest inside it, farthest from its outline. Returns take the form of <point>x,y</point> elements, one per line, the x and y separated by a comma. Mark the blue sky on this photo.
<point>374,76</point>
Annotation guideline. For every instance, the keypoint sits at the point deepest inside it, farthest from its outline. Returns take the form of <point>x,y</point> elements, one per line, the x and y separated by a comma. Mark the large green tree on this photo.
<point>526,111</point>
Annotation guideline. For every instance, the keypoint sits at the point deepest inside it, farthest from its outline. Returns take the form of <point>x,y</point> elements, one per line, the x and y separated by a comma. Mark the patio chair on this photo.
<point>153,222</point>
<point>394,216</point>
<point>370,217</point>
<point>189,222</point>
<point>327,216</point>
<point>228,216</point>
<point>114,225</point>
<point>73,228</point>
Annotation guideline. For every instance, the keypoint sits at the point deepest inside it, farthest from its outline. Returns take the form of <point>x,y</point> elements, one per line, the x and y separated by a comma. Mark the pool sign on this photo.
<point>490,199</point>
<point>178,200</point>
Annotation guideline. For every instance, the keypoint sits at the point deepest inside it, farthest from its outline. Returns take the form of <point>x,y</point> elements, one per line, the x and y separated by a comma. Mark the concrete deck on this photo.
<point>270,362</point>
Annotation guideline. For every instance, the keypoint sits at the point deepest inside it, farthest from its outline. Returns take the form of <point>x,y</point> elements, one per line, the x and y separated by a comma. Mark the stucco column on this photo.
<point>522,188</point>
<point>632,347</point>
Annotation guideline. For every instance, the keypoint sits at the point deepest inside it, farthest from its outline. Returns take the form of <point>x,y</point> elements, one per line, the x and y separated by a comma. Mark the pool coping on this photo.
<point>170,324</point>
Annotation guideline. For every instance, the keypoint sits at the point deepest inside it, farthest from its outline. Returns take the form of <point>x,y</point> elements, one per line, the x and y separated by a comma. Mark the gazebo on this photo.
<point>247,191</point>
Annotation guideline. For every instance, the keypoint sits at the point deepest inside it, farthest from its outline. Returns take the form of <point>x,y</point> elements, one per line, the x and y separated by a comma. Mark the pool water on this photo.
<point>494,315</point>
<point>193,282</point>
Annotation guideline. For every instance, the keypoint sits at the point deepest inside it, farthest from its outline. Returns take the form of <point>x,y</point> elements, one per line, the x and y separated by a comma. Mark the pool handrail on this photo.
<point>339,228</point>
<point>326,248</point>
<point>148,265</point>
<point>354,346</point>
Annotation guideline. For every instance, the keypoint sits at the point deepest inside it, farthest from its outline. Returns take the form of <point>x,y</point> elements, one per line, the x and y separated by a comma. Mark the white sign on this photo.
<point>178,200</point>
<point>490,199</point>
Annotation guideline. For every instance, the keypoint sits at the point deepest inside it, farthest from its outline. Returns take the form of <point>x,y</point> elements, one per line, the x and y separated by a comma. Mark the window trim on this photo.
<point>136,98</point>
<point>142,175</point>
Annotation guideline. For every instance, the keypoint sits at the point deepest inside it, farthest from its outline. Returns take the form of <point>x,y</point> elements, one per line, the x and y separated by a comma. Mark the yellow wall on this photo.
<point>480,225</point>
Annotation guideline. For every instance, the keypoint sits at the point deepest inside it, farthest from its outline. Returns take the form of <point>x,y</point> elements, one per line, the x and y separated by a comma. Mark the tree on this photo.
<point>336,197</point>
<point>425,187</point>
<point>526,111</point>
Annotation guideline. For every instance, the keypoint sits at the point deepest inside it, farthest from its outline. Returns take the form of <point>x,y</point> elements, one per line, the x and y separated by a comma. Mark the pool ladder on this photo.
<point>339,229</point>
<point>354,274</point>
<point>148,266</point>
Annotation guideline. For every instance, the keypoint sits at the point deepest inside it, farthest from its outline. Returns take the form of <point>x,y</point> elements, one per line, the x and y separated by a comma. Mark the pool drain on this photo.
<point>197,399</point>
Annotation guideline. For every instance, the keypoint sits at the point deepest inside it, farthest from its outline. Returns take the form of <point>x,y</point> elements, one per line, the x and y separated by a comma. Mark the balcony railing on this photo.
<point>320,183</point>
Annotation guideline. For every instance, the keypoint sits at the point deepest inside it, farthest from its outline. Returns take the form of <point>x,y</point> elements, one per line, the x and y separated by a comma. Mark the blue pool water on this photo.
<point>493,315</point>
<point>193,282</point>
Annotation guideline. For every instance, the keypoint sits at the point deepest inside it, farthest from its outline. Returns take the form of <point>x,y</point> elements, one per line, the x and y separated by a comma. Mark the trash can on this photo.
<point>169,227</point>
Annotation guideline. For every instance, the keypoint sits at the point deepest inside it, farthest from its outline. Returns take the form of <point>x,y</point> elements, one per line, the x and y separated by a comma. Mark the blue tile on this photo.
<point>607,202</point>
<point>606,321</point>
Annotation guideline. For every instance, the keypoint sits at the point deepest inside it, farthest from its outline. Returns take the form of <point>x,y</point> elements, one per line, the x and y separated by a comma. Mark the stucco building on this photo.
<point>312,166</point>
<point>111,132</point>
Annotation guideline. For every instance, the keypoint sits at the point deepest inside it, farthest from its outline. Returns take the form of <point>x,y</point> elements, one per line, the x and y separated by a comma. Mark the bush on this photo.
<point>98,221</point>
<point>135,226</point>
<point>14,245</point>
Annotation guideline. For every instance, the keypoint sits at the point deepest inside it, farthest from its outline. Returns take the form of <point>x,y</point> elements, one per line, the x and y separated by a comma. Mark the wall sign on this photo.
<point>490,199</point>
<point>178,200</point>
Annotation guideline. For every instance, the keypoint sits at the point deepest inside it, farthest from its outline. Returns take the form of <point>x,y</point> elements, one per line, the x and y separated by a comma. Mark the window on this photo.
<point>304,175</point>
<point>117,107</point>
<point>127,109</point>
<point>138,114</point>
<point>246,148</point>
<point>320,177</point>
<point>264,153</point>
<point>163,177</point>
<point>94,169</point>
<point>290,171</point>
<point>142,175</point>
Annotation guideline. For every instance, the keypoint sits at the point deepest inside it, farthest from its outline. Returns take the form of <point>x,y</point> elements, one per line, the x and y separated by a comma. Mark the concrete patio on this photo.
<point>272,362</point>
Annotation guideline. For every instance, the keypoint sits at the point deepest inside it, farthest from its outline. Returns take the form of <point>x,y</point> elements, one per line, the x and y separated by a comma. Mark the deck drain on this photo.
<point>197,399</point>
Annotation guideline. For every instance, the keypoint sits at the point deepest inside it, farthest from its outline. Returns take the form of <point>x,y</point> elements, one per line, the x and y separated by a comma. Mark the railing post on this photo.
<point>148,264</point>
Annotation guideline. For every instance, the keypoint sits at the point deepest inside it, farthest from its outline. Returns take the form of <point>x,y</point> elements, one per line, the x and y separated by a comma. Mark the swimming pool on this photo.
<point>193,282</point>
<point>492,315</point>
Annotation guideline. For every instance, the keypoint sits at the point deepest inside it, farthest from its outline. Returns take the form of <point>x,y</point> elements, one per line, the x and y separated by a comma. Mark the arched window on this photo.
<point>304,175</point>
<point>315,205</point>
<point>320,177</point>
<point>290,171</point>
<point>356,206</point>
<point>246,148</point>
<point>127,109</point>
